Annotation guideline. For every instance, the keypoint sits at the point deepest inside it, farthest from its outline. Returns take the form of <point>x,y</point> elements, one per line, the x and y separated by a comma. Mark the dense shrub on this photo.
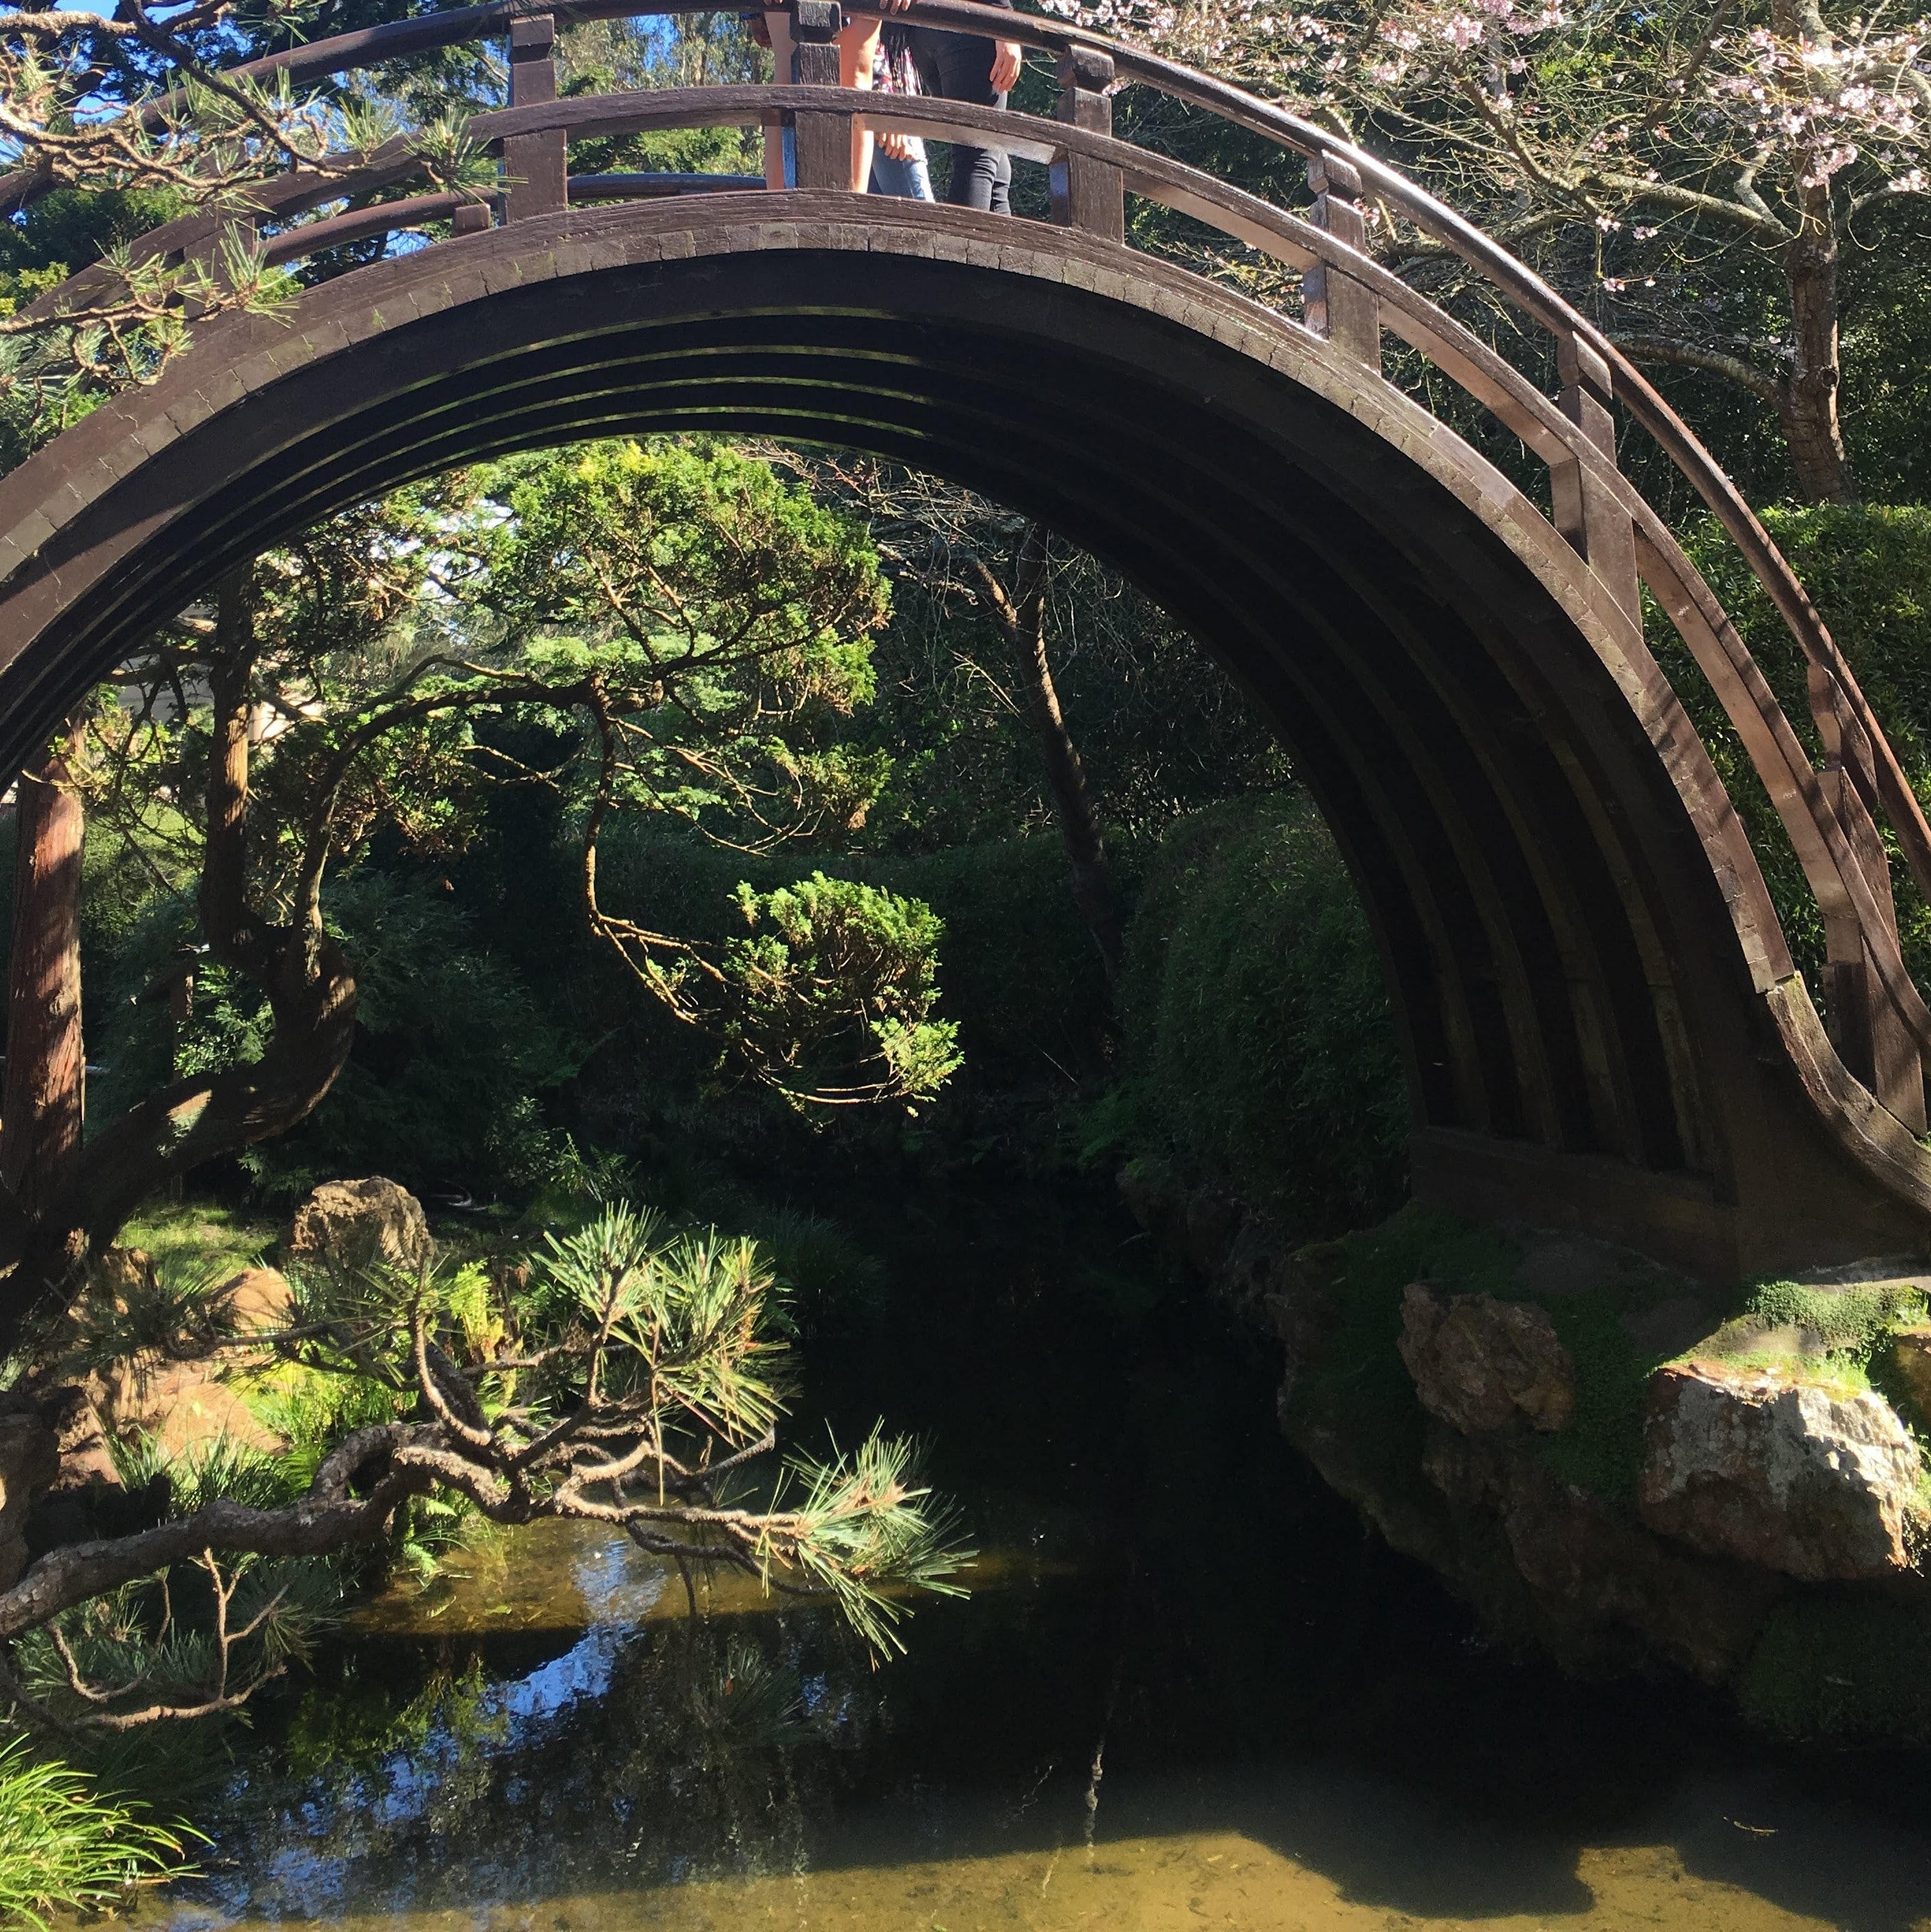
<point>451,1049</point>
<point>1260,1048</point>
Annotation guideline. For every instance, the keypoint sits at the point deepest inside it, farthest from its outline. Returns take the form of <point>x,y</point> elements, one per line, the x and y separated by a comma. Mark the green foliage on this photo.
<point>1023,981</point>
<point>835,985</point>
<point>1849,1322</point>
<point>65,1848</point>
<point>688,1317</point>
<point>825,1275</point>
<point>1600,1449</point>
<point>681,1336</point>
<point>1260,1047</point>
<point>451,1051</point>
<point>873,1534</point>
<point>738,609</point>
<point>1844,1666</point>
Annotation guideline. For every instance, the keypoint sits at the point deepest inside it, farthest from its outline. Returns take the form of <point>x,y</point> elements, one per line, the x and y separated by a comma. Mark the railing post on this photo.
<point>472,218</point>
<point>1870,1035</point>
<point>1087,194</point>
<point>823,142</point>
<point>1595,523</point>
<point>1333,304</point>
<point>535,163</point>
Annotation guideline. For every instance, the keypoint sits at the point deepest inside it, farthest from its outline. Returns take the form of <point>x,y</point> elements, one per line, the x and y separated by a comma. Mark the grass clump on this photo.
<point>1850,1322</point>
<point>64,1848</point>
<point>199,1236</point>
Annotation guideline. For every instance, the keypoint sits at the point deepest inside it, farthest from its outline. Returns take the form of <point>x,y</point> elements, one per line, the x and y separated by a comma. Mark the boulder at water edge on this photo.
<point>1771,1469</point>
<point>1478,1362</point>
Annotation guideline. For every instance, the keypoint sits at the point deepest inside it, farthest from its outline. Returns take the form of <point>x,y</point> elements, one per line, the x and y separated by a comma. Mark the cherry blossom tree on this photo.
<point>1654,161</point>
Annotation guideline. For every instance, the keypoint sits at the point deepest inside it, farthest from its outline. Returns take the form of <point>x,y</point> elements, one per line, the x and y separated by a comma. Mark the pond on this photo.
<point>1187,1689</point>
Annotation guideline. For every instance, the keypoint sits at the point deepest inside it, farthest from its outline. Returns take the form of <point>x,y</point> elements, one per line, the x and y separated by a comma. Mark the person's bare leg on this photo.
<point>779,26</point>
<point>856,45</point>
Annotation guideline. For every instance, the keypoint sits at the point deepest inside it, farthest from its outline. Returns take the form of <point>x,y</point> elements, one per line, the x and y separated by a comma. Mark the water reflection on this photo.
<point>1299,1731</point>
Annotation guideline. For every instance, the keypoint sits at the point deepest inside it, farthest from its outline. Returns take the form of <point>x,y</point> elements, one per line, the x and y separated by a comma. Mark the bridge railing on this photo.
<point>1880,1024</point>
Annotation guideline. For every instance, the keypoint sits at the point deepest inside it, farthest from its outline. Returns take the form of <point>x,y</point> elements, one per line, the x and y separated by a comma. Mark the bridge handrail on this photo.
<point>1824,830</point>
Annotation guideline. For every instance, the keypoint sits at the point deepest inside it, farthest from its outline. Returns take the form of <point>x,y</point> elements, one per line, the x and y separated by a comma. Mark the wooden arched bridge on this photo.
<point>1603,1024</point>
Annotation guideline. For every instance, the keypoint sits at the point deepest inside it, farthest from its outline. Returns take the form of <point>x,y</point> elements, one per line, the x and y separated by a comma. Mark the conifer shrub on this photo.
<point>1018,972</point>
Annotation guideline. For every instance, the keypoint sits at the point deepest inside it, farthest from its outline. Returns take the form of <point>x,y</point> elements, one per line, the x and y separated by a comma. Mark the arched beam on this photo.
<point>1602,1025</point>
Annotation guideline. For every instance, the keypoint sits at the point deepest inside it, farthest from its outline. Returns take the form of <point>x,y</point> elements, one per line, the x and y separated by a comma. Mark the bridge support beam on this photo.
<point>822,141</point>
<point>1594,521</point>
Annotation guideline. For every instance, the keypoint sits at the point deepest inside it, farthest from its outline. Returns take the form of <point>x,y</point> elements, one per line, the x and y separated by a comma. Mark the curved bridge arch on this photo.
<point>1603,1025</point>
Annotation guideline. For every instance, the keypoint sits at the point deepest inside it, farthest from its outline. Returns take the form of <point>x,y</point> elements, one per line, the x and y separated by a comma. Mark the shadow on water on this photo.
<point>1295,1728</point>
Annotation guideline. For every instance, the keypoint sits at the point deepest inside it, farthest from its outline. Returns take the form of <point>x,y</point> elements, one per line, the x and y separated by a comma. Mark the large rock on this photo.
<point>357,1223</point>
<point>183,1405</point>
<point>1478,1362</point>
<point>260,1300</point>
<point>1594,1580</point>
<point>81,1437</point>
<point>1764,1465</point>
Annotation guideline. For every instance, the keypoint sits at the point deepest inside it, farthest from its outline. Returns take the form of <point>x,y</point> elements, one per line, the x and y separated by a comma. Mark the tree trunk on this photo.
<point>311,993</point>
<point>41,1113</point>
<point>1023,618</point>
<point>1807,393</point>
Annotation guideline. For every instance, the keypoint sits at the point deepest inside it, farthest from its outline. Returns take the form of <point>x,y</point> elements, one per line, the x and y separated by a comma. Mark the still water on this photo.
<point>1187,1691</point>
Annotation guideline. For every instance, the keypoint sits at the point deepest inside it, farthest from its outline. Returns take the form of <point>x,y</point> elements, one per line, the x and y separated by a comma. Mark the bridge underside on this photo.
<point>1587,1044</point>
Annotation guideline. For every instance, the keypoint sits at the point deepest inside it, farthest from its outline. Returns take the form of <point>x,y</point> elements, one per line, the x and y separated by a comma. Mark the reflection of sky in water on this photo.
<point>617,1586</point>
<point>617,1593</point>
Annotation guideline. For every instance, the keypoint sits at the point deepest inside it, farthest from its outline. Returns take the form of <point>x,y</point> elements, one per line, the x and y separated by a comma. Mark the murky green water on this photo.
<point>1293,1729</point>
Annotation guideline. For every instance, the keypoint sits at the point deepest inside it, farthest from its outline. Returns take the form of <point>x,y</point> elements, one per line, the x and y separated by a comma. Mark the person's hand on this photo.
<point>1007,58</point>
<point>898,146</point>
